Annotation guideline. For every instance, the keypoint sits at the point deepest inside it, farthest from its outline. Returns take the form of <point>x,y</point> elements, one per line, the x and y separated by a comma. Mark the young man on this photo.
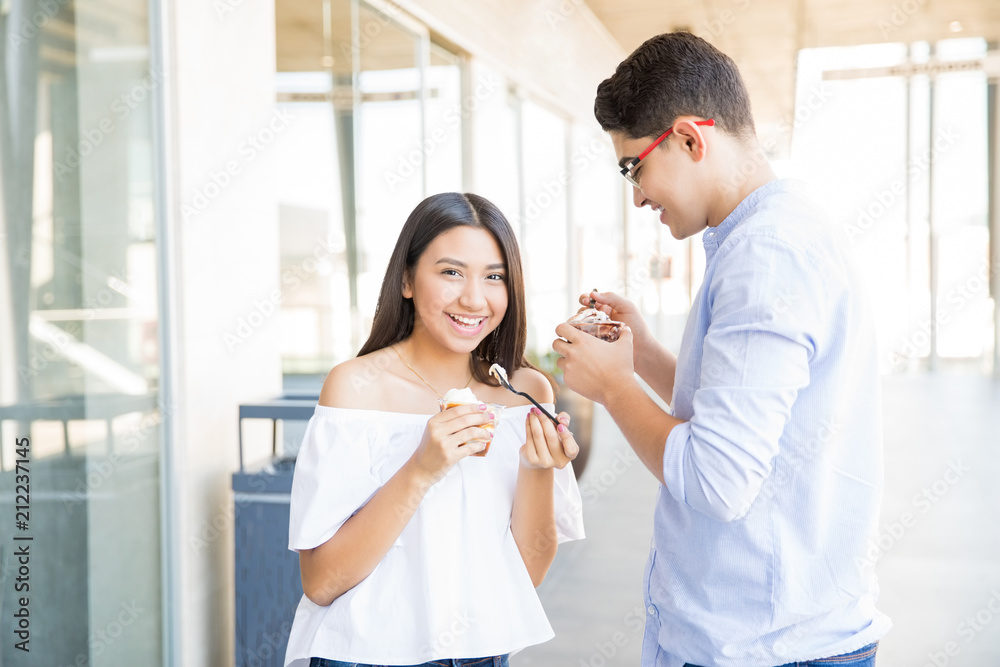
<point>771,461</point>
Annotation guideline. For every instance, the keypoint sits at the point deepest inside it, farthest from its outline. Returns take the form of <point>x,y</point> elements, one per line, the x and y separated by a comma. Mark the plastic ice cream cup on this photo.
<point>456,397</point>
<point>597,324</point>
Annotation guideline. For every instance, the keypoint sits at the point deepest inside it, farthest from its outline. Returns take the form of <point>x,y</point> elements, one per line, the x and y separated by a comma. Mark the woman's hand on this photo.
<point>533,519</point>
<point>546,446</point>
<point>450,436</point>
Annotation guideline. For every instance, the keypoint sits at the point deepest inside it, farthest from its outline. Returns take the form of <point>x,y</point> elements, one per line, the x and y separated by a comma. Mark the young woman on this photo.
<point>413,553</point>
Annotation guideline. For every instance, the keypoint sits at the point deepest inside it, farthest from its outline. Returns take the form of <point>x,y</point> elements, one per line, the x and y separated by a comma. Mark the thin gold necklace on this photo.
<point>421,376</point>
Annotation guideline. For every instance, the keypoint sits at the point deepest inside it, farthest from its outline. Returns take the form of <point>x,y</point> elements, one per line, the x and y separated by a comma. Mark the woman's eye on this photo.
<point>495,276</point>
<point>451,272</point>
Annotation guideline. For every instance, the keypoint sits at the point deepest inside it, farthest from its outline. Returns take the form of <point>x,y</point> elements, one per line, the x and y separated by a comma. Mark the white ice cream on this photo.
<point>500,373</point>
<point>463,395</point>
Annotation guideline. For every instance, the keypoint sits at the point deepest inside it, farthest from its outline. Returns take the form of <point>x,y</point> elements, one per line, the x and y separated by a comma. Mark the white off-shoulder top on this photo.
<point>453,585</point>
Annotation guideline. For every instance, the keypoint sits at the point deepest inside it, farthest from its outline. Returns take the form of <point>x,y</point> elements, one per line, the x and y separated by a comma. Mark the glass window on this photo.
<point>874,227</point>
<point>79,351</point>
<point>595,240</point>
<point>642,258</point>
<point>360,159</point>
<point>442,144</point>
<point>380,123</point>
<point>914,209</point>
<point>314,86</point>
<point>314,279</point>
<point>389,153</point>
<point>543,224</point>
<point>673,269</point>
<point>961,199</point>
<point>493,113</point>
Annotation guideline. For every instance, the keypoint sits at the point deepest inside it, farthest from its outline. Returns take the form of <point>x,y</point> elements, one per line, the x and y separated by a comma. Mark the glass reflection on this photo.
<point>79,352</point>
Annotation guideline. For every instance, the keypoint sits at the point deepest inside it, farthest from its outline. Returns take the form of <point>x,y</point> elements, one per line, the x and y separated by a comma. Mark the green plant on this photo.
<point>546,362</point>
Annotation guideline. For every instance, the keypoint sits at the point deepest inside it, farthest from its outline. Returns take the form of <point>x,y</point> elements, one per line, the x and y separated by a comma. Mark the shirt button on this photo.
<point>652,610</point>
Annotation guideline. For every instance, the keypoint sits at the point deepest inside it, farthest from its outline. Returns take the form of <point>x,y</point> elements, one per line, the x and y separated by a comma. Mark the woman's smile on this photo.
<point>467,325</point>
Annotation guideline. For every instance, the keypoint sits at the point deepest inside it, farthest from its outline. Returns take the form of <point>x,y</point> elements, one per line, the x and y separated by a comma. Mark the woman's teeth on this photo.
<point>471,322</point>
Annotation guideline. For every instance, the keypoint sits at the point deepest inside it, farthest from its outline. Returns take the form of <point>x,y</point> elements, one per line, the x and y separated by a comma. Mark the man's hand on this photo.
<point>653,362</point>
<point>621,309</point>
<point>593,367</point>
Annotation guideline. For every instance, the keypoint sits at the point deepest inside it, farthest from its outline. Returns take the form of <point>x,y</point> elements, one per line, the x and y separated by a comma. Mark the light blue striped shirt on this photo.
<point>773,483</point>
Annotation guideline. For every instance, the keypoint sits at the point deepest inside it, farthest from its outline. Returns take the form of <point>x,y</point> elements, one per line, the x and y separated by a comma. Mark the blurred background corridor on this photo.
<point>199,199</point>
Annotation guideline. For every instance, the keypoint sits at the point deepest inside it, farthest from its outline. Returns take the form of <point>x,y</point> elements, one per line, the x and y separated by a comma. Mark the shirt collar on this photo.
<point>716,236</point>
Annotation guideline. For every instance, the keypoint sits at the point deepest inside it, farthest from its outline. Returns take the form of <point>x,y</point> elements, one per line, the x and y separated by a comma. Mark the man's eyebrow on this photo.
<point>455,262</point>
<point>624,161</point>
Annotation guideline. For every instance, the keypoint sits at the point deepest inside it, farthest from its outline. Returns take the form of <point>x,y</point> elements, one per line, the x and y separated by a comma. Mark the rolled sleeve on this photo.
<point>765,322</point>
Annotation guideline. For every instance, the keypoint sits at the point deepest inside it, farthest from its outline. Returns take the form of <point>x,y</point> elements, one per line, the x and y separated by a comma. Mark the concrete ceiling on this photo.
<point>765,36</point>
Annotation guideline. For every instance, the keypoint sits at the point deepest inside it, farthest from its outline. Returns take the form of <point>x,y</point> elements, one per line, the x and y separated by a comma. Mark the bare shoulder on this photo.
<point>356,383</point>
<point>532,382</point>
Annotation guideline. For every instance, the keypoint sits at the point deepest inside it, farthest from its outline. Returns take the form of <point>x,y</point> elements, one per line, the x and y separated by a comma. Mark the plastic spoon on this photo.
<point>497,371</point>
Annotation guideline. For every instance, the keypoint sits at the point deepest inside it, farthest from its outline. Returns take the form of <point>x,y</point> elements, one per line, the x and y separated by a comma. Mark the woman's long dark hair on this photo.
<point>394,314</point>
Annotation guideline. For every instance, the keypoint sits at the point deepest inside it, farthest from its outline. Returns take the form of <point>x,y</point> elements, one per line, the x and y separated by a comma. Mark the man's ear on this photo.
<point>693,141</point>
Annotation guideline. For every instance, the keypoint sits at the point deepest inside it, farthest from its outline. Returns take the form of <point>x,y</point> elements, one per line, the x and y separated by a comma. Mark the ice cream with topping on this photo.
<point>500,373</point>
<point>460,396</point>
<point>465,396</point>
<point>596,323</point>
<point>590,315</point>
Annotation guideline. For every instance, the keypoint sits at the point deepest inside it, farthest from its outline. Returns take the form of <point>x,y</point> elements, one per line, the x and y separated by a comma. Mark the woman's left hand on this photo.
<point>546,446</point>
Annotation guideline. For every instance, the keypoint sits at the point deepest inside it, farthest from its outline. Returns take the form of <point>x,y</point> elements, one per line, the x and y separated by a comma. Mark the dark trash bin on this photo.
<point>268,582</point>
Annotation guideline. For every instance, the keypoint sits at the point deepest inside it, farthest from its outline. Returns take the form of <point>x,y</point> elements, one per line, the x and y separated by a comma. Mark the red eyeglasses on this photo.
<point>634,162</point>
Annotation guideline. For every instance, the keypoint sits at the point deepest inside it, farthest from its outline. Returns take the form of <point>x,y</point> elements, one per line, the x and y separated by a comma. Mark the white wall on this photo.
<point>225,225</point>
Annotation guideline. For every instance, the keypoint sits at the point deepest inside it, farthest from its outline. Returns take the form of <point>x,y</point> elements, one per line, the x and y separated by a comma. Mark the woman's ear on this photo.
<point>407,287</point>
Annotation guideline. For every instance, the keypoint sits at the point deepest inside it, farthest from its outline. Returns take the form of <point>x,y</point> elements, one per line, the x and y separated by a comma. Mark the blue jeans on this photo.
<point>863,657</point>
<point>496,661</point>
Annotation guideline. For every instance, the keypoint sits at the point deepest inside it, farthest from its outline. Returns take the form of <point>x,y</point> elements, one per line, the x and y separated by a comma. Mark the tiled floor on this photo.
<point>939,575</point>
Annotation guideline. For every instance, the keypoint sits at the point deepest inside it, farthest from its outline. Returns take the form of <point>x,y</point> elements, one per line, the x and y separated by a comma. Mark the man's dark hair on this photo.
<point>672,75</point>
